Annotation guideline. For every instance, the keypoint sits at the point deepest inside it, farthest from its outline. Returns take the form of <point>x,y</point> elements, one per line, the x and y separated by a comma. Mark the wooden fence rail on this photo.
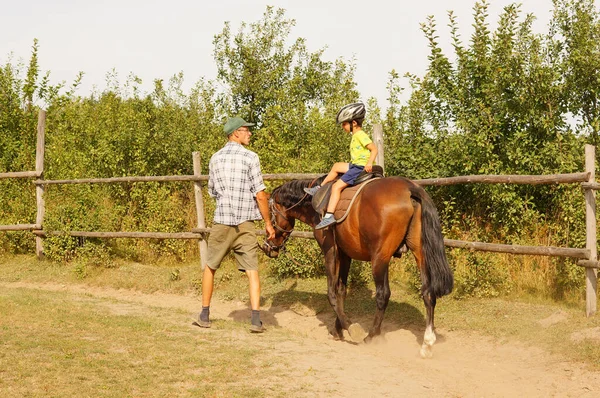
<point>508,179</point>
<point>20,174</point>
<point>587,256</point>
<point>195,178</point>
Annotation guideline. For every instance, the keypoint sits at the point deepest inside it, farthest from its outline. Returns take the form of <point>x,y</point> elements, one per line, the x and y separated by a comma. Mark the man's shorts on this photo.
<point>239,238</point>
<point>353,172</point>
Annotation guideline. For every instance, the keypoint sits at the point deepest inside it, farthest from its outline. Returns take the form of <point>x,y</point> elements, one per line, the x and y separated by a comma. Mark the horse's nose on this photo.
<point>274,254</point>
<point>269,251</point>
<point>264,247</point>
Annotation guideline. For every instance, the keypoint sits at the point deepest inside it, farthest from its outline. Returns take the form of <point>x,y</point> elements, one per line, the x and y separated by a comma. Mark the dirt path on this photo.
<point>463,365</point>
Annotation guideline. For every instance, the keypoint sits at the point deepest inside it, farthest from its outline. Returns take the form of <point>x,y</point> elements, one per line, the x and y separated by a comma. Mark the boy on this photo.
<point>362,155</point>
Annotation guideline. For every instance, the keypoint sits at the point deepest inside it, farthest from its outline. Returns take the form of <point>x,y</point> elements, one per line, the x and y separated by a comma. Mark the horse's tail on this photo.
<point>438,272</point>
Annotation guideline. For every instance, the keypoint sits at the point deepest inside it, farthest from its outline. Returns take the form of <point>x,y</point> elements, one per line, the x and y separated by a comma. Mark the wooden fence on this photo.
<point>587,257</point>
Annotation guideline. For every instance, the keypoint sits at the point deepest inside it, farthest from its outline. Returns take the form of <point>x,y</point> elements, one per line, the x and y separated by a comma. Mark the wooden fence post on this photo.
<point>591,274</point>
<point>378,140</point>
<point>200,208</point>
<point>39,187</point>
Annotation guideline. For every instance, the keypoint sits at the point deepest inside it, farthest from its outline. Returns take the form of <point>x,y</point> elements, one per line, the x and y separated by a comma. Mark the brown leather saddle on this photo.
<point>321,197</point>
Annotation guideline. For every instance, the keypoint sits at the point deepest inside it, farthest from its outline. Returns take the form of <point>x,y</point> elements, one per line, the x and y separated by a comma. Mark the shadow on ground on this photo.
<point>359,305</point>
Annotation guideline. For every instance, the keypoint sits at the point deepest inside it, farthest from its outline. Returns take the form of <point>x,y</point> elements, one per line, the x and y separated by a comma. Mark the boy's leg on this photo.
<point>337,168</point>
<point>336,192</point>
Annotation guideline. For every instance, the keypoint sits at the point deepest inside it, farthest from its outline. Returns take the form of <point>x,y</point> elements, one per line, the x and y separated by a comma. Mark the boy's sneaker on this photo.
<point>312,190</point>
<point>327,221</point>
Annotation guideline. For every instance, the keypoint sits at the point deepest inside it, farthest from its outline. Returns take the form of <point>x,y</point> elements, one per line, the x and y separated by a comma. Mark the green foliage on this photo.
<point>303,259</point>
<point>291,94</point>
<point>480,275</point>
<point>575,34</point>
<point>568,278</point>
<point>360,274</point>
<point>501,107</point>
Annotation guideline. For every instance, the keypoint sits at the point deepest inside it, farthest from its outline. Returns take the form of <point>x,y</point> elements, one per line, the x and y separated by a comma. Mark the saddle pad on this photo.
<point>347,199</point>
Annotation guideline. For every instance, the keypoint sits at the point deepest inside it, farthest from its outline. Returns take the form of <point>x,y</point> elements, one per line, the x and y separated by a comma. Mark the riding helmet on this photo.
<point>351,112</point>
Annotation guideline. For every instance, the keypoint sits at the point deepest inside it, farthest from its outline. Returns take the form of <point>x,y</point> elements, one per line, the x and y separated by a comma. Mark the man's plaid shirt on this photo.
<point>234,179</point>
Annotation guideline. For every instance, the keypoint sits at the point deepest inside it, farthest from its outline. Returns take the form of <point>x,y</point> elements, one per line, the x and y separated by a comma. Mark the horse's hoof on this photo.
<point>426,351</point>
<point>357,333</point>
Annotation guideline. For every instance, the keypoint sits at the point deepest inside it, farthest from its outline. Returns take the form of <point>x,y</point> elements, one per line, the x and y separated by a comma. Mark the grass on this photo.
<point>63,344</point>
<point>54,345</point>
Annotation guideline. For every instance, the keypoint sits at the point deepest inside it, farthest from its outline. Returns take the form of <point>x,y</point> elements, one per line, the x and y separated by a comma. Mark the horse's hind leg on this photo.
<point>429,337</point>
<point>380,269</point>
<point>413,241</point>
<point>337,268</point>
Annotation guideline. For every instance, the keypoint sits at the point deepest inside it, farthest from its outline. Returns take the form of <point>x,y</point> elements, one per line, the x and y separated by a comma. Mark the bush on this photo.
<point>303,259</point>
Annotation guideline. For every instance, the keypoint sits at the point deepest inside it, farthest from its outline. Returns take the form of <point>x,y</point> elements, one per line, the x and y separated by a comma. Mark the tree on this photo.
<point>292,94</point>
<point>575,34</point>
<point>499,108</point>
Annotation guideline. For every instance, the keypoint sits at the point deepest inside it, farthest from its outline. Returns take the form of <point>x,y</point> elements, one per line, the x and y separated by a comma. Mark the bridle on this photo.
<point>269,245</point>
<point>274,211</point>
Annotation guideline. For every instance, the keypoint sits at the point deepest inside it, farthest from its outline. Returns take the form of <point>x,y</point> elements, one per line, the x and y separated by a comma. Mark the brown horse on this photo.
<point>387,214</point>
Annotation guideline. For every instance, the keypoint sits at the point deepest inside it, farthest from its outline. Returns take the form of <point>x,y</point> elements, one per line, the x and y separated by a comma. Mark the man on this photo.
<point>235,181</point>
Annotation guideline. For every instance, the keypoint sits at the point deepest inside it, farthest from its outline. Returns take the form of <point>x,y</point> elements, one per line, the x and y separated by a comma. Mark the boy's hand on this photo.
<point>369,167</point>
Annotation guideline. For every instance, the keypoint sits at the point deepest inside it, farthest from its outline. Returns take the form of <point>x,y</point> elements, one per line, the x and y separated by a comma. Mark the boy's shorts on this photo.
<point>353,172</point>
<point>239,238</point>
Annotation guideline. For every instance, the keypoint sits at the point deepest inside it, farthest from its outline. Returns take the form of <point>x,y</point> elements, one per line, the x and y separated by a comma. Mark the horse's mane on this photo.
<point>291,192</point>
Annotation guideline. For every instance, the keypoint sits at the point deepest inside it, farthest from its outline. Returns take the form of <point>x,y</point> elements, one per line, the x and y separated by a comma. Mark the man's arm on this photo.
<point>211,181</point>
<point>262,198</point>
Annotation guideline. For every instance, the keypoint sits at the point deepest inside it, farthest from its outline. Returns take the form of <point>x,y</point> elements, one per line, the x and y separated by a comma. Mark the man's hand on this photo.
<point>270,232</point>
<point>369,167</point>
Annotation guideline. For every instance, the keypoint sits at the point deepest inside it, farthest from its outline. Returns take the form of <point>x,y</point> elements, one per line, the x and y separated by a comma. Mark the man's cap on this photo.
<point>234,123</point>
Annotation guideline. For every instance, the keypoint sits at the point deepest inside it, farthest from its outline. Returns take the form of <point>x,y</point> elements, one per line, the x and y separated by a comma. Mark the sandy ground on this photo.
<point>463,365</point>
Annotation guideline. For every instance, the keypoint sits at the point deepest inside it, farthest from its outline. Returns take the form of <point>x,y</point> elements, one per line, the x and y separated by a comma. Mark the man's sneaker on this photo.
<point>201,323</point>
<point>312,190</point>
<point>257,328</point>
<point>327,221</point>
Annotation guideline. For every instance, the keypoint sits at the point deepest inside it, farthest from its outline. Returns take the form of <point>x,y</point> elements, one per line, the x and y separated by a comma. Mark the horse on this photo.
<point>387,214</point>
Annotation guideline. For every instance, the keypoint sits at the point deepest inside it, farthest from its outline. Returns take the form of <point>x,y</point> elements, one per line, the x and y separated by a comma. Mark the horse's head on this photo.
<point>288,203</point>
<point>283,225</point>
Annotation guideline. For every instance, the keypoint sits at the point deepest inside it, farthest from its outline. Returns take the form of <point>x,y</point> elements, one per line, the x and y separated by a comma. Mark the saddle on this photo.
<point>321,197</point>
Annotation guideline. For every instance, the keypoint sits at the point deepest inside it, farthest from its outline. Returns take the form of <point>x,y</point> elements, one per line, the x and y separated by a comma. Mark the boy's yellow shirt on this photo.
<point>359,154</point>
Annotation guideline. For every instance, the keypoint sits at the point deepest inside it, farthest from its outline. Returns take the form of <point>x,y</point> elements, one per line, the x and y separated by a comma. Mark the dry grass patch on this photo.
<point>64,344</point>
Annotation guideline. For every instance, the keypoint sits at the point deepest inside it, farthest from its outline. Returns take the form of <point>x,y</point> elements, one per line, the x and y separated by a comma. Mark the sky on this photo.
<point>158,39</point>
